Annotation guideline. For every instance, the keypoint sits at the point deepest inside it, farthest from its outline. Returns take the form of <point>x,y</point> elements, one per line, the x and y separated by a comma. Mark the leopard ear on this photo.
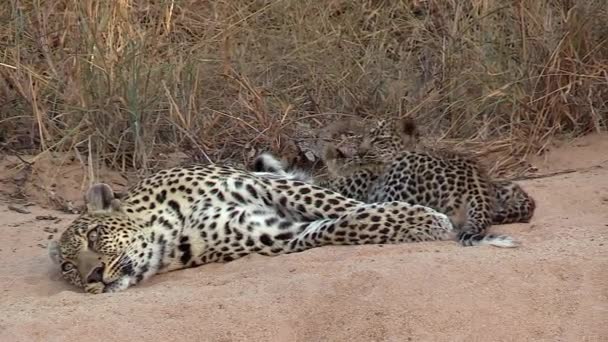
<point>101,199</point>
<point>407,129</point>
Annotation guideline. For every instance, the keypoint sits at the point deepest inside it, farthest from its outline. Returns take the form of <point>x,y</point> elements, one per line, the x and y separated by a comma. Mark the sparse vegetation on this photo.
<point>123,81</point>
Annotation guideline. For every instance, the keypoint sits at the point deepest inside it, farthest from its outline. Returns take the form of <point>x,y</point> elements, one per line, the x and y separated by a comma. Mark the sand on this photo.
<point>552,288</point>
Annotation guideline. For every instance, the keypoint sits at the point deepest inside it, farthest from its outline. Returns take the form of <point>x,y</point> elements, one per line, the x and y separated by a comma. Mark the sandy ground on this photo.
<point>553,288</point>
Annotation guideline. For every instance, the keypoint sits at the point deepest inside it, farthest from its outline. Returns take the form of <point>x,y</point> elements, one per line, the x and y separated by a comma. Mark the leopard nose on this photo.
<point>96,275</point>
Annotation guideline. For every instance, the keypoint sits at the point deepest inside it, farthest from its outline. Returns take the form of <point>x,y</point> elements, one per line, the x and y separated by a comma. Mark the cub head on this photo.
<point>90,250</point>
<point>388,137</point>
<point>340,164</point>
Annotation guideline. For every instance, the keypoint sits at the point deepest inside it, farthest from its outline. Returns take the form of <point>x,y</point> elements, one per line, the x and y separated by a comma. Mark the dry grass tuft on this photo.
<point>122,82</point>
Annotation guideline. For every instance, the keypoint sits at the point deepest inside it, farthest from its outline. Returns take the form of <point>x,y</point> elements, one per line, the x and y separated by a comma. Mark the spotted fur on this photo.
<point>185,217</point>
<point>392,166</point>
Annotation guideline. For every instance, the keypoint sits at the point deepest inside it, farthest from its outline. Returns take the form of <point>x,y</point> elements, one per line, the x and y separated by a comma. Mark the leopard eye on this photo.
<point>67,267</point>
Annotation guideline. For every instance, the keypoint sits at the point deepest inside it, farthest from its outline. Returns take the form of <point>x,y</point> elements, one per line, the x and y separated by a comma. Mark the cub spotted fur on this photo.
<point>390,165</point>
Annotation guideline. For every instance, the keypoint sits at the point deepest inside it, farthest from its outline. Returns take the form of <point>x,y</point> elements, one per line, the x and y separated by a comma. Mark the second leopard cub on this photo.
<point>391,166</point>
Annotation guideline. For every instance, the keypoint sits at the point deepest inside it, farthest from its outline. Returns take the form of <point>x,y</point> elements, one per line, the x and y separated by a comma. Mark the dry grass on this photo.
<point>123,81</point>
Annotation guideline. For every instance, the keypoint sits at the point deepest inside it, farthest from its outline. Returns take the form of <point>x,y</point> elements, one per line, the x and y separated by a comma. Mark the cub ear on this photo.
<point>407,129</point>
<point>407,126</point>
<point>100,199</point>
<point>54,252</point>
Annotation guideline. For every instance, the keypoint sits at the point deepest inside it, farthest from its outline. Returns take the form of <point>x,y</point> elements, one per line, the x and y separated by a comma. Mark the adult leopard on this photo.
<point>189,216</point>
